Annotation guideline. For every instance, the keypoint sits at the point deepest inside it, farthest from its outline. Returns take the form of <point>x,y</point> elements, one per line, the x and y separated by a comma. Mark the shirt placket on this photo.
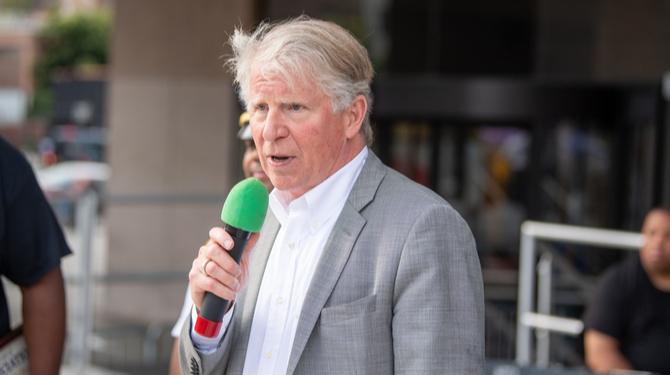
<point>280,301</point>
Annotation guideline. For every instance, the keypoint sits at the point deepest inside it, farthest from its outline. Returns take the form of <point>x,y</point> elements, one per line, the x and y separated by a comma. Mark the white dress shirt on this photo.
<point>306,223</point>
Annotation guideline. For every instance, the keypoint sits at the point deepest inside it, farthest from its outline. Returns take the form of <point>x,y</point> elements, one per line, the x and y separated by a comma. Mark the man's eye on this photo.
<point>296,107</point>
<point>262,107</point>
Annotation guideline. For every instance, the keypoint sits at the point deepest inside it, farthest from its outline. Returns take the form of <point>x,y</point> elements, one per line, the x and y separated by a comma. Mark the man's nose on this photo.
<point>275,126</point>
<point>654,240</point>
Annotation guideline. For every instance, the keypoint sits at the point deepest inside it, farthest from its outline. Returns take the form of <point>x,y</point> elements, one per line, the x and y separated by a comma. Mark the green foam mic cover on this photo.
<point>246,205</point>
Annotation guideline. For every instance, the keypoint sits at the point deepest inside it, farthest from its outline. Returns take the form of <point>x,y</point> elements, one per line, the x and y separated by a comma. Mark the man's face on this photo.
<point>655,254</point>
<point>300,141</point>
<point>252,165</point>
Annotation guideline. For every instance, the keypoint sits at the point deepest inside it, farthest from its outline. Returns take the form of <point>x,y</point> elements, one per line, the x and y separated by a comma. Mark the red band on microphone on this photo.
<point>207,328</point>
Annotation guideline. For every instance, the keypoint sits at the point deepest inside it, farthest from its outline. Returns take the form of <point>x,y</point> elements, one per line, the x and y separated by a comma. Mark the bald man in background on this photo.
<point>628,320</point>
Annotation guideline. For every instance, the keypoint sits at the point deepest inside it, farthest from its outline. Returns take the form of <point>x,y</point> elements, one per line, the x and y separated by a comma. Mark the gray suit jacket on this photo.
<point>397,290</point>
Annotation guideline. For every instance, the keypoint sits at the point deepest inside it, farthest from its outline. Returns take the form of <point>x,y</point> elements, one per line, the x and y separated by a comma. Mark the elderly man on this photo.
<point>628,320</point>
<point>357,269</point>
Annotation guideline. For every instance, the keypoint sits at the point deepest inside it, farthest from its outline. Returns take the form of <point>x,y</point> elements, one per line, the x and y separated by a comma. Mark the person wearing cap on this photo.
<point>250,162</point>
<point>252,168</point>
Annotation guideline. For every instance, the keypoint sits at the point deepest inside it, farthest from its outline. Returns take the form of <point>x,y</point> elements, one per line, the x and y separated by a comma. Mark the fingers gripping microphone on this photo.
<point>243,212</point>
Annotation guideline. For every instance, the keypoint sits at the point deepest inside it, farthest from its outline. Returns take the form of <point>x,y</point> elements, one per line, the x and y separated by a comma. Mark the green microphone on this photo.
<point>243,212</point>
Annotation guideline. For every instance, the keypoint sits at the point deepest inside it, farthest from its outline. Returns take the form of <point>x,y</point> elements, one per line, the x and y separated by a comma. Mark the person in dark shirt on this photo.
<point>31,246</point>
<point>627,324</point>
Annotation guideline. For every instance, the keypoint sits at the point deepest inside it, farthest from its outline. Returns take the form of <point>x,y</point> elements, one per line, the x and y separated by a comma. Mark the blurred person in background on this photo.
<point>357,269</point>
<point>31,247</point>
<point>251,165</point>
<point>627,324</point>
<point>251,162</point>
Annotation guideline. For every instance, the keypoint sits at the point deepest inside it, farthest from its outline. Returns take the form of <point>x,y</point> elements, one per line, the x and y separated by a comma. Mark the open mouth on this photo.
<point>279,159</point>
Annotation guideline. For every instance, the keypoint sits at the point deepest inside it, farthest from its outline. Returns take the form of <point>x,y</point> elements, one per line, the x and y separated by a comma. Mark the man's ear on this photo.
<point>355,115</point>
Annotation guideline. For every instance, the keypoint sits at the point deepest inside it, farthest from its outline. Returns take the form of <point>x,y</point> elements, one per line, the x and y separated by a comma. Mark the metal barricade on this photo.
<point>124,344</point>
<point>531,231</point>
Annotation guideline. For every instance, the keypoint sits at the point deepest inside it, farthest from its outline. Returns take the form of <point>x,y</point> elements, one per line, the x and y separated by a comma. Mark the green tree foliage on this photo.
<point>69,43</point>
<point>19,5</point>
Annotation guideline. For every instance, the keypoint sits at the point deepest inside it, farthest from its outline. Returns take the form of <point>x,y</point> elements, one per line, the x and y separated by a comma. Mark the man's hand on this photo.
<point>226,278</point>
<point>602,353</point>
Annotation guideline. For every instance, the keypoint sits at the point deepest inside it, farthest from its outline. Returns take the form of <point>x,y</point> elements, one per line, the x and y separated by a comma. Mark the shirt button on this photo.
<point>268,354</point>
<point>280,300</point>
<point>315,225</point>
<point>291,245</point>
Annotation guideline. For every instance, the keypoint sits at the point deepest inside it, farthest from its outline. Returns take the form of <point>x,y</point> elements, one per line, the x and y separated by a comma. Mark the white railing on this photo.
<point>527,319</point>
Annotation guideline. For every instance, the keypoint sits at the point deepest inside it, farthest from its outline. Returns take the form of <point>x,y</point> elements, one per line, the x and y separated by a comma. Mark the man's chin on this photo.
<point>658,266</point>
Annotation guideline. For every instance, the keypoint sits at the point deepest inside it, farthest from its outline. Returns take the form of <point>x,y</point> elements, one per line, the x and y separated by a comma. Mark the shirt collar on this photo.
<point>324,199</point>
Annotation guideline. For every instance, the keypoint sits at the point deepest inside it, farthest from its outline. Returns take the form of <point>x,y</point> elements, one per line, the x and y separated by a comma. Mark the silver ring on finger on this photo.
<point>203,268</point>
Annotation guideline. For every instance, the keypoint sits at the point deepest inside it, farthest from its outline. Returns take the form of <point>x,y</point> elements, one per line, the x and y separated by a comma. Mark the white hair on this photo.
<point>321,51</point>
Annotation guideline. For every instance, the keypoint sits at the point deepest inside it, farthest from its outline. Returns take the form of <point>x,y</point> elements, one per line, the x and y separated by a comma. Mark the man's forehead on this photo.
<point>658,217</point>
<point>261,77</point>
<point>282,88</point>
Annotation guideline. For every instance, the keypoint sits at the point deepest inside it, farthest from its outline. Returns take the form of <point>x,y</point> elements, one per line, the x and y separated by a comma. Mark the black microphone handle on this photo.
<point>214,307</point>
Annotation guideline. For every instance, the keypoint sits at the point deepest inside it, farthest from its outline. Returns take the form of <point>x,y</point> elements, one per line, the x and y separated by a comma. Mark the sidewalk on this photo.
<point>67,370</point>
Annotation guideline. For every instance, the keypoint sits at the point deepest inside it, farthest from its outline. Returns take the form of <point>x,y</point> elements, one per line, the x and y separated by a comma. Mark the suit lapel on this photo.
<point>336,253</point>
<point>259,259</point>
